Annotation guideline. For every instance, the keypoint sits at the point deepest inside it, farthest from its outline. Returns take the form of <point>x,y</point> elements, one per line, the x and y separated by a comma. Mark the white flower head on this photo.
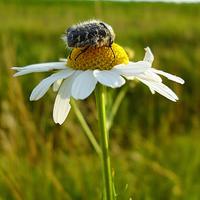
<point>78,75</point>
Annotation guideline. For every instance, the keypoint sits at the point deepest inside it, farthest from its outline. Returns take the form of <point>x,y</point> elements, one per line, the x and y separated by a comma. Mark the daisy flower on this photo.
<point>78,75</point>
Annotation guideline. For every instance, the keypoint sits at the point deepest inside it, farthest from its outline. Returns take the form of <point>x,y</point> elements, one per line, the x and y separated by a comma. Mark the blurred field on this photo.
<point>155,143</point>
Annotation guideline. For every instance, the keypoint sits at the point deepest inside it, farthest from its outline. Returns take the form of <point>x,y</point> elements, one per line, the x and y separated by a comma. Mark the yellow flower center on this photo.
<point>103,58</point>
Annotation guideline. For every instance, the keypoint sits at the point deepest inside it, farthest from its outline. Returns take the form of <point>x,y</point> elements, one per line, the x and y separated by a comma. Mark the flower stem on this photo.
<point>104,137</point>
<point>115,106</point>
<point>86,128</point>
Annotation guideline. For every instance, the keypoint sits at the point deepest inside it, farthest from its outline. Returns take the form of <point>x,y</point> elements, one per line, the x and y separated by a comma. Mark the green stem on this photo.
<point>105,158</point>
<point>85,127</point>
<point>115,106</point>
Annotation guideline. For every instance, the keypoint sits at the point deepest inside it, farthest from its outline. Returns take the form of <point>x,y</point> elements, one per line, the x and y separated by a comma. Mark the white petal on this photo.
<point>132,68</point>
<point>148,57</point>
<point>41,67</point>
<point>83,85</point>
<point>169,76</point>
<point>109,78</point>
<point>130,78</point>
<point>150,76</point>
<point>61,105</point>
<point>44,85</point>
<point>152,90</point>
<point>63,60</point>
<point>57,84</point>
<point>161,89</point>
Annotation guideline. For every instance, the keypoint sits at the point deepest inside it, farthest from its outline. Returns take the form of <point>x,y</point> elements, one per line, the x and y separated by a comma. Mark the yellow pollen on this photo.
<point>103,58</point>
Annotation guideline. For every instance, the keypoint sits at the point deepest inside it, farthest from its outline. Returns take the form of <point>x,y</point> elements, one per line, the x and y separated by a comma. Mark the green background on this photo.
<point>155,143</point>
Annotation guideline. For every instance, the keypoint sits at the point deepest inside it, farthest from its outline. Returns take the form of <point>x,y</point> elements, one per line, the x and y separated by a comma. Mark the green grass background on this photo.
<point>155,143</point>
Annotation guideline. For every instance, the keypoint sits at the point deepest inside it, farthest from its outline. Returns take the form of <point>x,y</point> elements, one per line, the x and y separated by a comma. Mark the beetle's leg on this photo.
<point>70,53</point>
<point>113,54</point>
<point>82,51</point>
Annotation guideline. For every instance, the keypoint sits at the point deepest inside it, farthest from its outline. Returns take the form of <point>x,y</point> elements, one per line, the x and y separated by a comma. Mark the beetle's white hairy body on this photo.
<point>89,33</point>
